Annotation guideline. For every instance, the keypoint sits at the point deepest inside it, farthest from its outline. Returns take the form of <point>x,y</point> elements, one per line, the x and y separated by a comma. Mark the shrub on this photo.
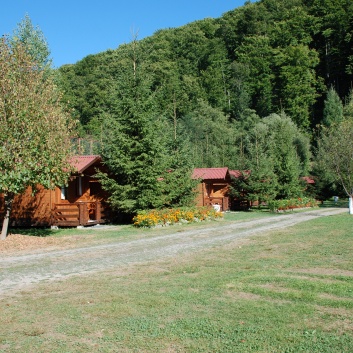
<point>283,205</point>
<point>166,217</point>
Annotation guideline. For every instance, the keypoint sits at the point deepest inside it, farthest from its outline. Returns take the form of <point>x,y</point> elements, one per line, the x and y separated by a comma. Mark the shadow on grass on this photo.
<point>34,232</point>
<point>330,203</point>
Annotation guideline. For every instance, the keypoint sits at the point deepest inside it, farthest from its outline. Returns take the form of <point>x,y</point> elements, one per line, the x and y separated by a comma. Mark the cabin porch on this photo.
<point>223,202</point>
<point>81,213</point>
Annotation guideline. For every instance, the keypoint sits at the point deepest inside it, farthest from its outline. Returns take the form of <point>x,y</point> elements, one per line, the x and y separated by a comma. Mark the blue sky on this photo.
<point>77,28</point>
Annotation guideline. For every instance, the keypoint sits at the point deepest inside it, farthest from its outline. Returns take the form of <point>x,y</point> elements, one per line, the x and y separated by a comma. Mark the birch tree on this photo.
<point>335,155</point>
<point>34,127</point>
<point>33,40</point>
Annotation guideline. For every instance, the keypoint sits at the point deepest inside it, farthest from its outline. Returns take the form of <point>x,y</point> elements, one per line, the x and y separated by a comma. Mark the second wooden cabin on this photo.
<point>213,188</point>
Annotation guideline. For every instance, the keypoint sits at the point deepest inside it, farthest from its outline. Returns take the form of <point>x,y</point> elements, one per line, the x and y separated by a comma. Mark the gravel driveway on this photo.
<point>21,271</point>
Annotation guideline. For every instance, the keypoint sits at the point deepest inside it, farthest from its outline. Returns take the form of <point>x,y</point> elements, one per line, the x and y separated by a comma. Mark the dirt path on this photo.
<point>21,271</point>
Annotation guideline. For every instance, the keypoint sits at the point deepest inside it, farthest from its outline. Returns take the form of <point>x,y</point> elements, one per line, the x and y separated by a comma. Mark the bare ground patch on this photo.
<point>324,271</point>
<point>19,243</point>
<point>332,297</point>
<point>243,295</point>
<point>276,288</point>
<point>338,320</point>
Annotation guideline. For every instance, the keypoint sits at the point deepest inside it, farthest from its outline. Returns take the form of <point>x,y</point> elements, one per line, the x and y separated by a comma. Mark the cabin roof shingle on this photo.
<point>210,173</point>
<point>235,173</point>
<point>308,179</point>
<point>239,173</point>
<point>81,163</point>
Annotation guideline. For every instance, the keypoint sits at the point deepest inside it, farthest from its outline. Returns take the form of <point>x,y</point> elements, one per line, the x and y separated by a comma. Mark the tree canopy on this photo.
<point>268,56</point>
<point>146,168</point>
<point>334,158</point>
<point>34,42</point>
<point>35,128</point>
<point>248,90</point>
<point>220,87</point>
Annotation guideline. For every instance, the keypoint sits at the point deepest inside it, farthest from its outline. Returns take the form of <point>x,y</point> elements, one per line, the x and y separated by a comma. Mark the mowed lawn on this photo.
<point>286,291</point>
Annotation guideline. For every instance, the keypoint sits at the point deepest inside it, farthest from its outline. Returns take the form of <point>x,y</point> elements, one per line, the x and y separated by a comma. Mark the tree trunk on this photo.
<point>350,204</point>
<point>5,224</point>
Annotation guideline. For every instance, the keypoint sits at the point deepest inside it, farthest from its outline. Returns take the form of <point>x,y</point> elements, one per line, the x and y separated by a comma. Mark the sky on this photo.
<point>77,28</point>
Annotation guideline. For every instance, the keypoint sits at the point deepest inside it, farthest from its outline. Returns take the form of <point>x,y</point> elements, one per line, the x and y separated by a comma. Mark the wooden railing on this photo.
<point>222,201</point>
<point>78,214</point>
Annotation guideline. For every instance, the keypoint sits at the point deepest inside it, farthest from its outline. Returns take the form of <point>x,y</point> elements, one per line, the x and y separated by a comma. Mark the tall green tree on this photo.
<point>134,149</point>
<point>34,127</point>
<point>290,153</point>
<point>32,38</point>
<point>257,180</point>
<point>275,155</point>
<point>335,156</point>
<point>333,41</point>
<point>297,83</point>
<point>348,106</point>
<point>333,108</point>
<point>211,136</point>
<point>256,53</point>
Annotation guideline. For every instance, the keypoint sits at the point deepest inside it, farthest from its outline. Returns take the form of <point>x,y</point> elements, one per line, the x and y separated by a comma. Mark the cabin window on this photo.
<point>208,189</point>
<point>79,186</point>
<point>64,192</point>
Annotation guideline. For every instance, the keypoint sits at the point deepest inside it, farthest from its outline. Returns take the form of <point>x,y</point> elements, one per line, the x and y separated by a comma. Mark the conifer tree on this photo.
<point>257,180</point>
<point>287,161</point>
<point>333,108</point>
<point>134,147</point>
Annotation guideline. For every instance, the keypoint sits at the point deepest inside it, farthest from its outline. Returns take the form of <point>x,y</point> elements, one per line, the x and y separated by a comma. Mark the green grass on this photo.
<point>342,203</point>
<point>288,291</point>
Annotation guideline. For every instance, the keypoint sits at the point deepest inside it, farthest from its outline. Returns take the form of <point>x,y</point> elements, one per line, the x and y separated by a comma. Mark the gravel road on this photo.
<point>23,271</point>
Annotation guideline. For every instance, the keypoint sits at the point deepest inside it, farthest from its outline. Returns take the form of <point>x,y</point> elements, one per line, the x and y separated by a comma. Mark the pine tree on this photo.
<point>333,108</point>
<point>287,162</point>
<point>135,144</point>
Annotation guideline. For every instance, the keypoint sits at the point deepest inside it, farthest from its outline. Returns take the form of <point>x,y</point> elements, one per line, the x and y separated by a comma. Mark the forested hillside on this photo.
<point>246,90</point>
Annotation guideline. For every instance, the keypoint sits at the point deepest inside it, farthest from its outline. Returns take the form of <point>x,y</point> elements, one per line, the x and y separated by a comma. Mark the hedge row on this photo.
<point>283,205</point>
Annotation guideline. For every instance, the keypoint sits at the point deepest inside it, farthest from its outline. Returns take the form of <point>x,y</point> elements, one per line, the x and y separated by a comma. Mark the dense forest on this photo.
<point>249,90</point>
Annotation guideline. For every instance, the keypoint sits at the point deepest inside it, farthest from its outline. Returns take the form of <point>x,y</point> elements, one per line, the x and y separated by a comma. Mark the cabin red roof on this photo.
<point>235,173</point>
<point>81,163</point>
<point>239,173</point>
<point>210,173</point>
<point>308,179</point>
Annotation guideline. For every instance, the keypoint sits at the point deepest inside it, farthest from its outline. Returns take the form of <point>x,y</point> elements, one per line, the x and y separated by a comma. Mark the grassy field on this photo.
<point>288,291</point>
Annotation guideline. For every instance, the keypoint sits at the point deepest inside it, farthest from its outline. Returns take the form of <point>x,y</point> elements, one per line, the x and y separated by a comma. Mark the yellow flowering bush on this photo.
<point>166,217</point>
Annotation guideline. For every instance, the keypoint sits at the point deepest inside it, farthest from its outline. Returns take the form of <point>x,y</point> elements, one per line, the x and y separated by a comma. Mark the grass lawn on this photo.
<point>288,291</point>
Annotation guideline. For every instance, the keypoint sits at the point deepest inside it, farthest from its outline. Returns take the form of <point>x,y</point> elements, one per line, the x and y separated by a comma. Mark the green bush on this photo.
<point>290,204</point>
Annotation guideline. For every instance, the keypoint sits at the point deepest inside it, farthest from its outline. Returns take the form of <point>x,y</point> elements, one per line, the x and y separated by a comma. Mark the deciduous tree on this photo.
<point>335,155</point>
<point>34,42</point>
<point>34,126</point>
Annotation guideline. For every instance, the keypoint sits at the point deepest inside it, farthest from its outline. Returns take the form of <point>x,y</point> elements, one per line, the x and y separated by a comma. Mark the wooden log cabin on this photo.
<point>80,203</point>
<point>213,187</point>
